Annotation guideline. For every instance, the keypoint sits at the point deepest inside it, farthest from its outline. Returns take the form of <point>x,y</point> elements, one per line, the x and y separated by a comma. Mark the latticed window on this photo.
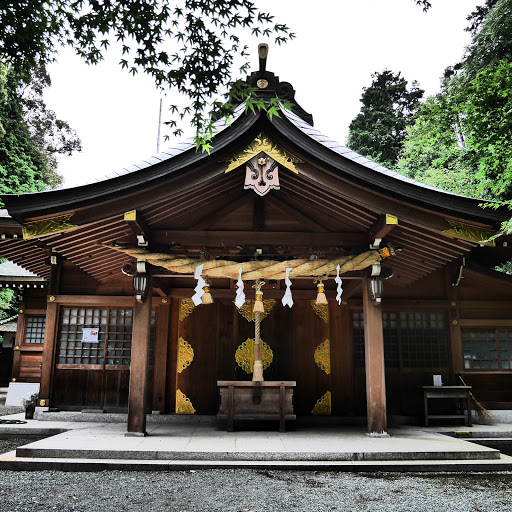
<point>72,350</point>
<point>487,349</point>
<point>119,336</point>
<point>111,345</point>
<point>411,340</point>
<point>35,329</point>
<point>423,340</point>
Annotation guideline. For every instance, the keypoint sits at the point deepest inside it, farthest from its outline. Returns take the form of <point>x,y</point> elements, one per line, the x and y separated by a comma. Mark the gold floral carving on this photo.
<point>186,307</point>
<point>183,404</point>
<point>323,356</point>
<point>471,233</point>
<point>185,354</point>
<point>47,226</point>
<point>322,310</point>
<point>323,405</point>
<point>262,144</point>
<point>244,355</point>
<point>247,309</point>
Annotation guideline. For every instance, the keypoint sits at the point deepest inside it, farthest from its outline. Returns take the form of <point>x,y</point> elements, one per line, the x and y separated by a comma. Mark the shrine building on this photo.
<point>132,307</point>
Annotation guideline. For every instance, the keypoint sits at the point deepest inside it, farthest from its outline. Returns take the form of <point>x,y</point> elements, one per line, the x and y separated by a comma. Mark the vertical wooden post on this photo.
<point>374,362</point>
<point>20,333</point>
<point>47,365</point>
<point>139,365</point>
<point>160,365</point>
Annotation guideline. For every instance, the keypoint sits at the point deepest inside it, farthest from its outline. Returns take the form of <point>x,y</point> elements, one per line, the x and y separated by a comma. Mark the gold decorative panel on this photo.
<point>47,226</point>
<point>322,310</point>
<point>262,144</point>
<point>186,307</point>
<point>244,355</point>
<point>247,309</point>
<point>471,233</point>
<point>323,405</point>
<point>183,404</point>
<point>323,356</point>
<point>185,354</point>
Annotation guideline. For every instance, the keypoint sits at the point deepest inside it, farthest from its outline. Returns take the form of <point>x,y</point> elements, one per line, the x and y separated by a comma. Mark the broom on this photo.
<point>485,416</point>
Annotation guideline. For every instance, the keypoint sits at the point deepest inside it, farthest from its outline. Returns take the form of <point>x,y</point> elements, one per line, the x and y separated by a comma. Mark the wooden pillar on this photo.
<point>50,334</point>
<point>139,365</point>
<point>374,363</point>
<point>160,364</point>
<point>47,365</point>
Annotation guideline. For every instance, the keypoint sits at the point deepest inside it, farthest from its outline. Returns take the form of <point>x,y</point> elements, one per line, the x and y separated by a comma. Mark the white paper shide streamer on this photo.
<point>196,298</point>
<point>338,281</point>
<point>240,295</point>
<point>287,299</point>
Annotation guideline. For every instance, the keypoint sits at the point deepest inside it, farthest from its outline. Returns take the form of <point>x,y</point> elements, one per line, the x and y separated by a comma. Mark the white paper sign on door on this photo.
<point>90,335</point>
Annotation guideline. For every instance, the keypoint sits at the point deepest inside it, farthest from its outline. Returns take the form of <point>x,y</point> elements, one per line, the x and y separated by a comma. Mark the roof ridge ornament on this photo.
<point>268,86</point>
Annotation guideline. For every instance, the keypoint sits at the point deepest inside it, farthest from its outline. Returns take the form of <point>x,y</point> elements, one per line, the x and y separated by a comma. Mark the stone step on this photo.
<point>10,461</point>
<point>33,451</point>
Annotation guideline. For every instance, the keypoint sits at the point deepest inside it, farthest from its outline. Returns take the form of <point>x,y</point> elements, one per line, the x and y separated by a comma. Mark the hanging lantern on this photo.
<point>207,296</point>
<point>258,303</point>
<point>140,281</point>
<point>377,287</point>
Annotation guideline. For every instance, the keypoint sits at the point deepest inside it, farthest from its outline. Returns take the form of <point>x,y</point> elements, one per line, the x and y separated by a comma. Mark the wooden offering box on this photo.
<point>247,400</point>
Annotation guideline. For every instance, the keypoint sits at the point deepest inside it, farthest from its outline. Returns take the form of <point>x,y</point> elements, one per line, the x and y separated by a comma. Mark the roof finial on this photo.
<point>263,52</point>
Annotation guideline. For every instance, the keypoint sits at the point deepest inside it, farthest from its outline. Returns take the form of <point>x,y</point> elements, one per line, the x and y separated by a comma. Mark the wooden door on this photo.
<point>209,337</point>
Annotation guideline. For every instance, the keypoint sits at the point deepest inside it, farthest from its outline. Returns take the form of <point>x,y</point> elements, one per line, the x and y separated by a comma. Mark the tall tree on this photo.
<point>189,45</point>
<point>379,130</point>
<point>461,138</point>
<point>31,135</point>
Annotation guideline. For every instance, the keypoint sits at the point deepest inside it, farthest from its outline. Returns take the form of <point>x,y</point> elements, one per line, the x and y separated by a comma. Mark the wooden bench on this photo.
<point>247,400</point>
<point>447,392</point>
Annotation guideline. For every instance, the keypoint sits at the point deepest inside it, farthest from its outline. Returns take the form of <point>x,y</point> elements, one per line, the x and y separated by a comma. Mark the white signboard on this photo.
<point>90,335</point>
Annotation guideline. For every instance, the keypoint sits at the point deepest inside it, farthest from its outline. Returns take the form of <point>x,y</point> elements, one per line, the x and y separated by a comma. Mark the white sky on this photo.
<point>339,44</point>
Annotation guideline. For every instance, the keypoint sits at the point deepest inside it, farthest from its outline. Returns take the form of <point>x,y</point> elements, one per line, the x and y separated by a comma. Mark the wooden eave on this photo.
<point>180,196</point>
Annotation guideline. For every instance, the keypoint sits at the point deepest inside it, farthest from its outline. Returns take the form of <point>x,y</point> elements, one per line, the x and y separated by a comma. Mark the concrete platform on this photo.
<point>197,443</point>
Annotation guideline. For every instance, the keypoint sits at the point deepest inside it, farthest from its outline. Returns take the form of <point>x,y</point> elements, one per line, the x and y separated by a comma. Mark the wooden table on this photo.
<point>461,393</point>
<point>247,400</point>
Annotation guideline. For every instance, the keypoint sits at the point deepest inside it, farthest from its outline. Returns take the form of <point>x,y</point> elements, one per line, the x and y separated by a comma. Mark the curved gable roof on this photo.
<point>288,130</point>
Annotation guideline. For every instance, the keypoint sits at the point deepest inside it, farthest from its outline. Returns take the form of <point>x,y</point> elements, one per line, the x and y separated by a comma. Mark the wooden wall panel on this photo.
<point>197,381</point>
<point>117,383</point>
<point>225,340</point>
<point>342,381</point>
<point>309,331</point>
<point>30,366</point>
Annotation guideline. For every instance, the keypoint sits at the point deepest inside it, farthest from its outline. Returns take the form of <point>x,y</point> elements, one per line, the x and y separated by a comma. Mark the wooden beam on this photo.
<point>296,214</point>
<point>267,294</point>
<point>385,223</point>
<point>160,287</point>
<point>139,366</point>
<point>209,220</point>
<point>374,363</point>
<point>227,238</point>
<point>138,225</point>
<point>259,213</point>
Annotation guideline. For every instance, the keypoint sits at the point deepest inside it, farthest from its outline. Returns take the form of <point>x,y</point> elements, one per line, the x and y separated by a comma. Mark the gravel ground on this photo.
<point>233,490</point>
<point>256,491</point>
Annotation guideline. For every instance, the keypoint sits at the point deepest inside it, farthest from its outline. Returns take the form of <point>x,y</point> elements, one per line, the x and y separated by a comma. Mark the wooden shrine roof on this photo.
<point>336,204</point>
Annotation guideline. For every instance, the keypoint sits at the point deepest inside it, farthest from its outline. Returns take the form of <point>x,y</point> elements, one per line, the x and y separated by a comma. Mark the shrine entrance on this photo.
<point>215,342</point>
